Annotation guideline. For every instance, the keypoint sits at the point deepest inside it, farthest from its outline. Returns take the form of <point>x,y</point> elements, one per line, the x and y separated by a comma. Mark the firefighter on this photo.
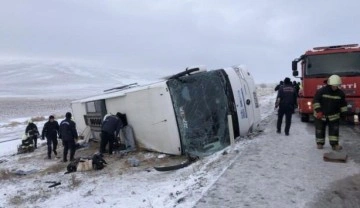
<point>285,100</point>
<point>328,103</point>
<point>32,132</point>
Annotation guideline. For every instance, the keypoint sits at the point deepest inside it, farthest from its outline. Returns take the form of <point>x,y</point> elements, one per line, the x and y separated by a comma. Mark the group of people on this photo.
<point>111,127</point>
<point>295,84</point>
<point>66,131</point>
<point>328,104</point>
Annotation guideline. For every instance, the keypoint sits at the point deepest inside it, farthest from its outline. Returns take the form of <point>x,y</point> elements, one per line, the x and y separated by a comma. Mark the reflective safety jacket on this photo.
<point>330,102</point>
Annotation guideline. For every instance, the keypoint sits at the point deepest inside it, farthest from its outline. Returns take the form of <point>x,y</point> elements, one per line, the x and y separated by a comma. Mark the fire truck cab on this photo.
<point>318,64</point>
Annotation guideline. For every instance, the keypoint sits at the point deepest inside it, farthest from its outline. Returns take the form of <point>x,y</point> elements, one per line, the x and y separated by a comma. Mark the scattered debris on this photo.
<point>54,183</point>
<point>133,161</point>
<point>182,199</point>
<point>96,162</point>
<point>335,157</point>
<point>23,172</point>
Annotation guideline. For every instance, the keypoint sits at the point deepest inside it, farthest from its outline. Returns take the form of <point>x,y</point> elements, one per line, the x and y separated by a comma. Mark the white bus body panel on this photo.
<point>78,111</point>
<point>149,112</point>
<point>247,106</point>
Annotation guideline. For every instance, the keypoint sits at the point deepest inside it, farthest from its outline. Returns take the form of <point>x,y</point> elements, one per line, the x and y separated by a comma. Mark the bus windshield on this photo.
<point>342,64</point>
<point>202,102</point>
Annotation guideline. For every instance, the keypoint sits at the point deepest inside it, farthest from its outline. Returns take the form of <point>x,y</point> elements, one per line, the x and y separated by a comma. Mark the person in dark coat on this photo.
<point>296,86</point>
<point>32,132</point>
<point>285,100</point>
<point>110,129</point>
<point>51,131</point>
<point>68,134</point>
<point>297,89</point>
<point>279,85</point>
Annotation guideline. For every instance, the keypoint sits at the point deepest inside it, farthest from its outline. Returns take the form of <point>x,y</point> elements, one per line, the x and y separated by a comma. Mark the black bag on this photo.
<point>72,166</point>
<point>98,162</point>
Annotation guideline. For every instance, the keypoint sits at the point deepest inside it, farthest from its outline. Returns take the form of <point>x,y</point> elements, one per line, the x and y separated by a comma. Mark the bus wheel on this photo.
<point>304,117</point>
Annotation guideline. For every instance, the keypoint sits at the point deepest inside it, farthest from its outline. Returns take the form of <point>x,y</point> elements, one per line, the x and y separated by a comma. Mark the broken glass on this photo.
<point>202,102</point>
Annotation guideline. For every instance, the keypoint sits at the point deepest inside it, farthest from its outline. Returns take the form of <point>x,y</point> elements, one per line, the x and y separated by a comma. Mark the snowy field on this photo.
<point>262,170</point>
<point>118,185</point>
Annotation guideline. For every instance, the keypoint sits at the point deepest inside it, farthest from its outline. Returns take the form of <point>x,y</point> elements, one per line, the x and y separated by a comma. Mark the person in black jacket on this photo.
<point>285,100</point>
<point>32,132</point>
<point>51,131</point>
<point>110,129</point>
<point>329,102</point>
<point>297,89</point>
<point>279,85</point>
<point>68,134</point>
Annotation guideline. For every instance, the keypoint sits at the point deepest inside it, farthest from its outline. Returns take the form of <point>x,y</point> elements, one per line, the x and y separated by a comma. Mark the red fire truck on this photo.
<point>320,63</point>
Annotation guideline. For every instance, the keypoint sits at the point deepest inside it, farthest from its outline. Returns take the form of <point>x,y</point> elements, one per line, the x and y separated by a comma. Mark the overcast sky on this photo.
<point>169,35</point>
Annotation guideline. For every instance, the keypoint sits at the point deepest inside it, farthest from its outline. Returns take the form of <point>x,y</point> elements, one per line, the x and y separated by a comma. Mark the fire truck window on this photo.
<point>338,63</point>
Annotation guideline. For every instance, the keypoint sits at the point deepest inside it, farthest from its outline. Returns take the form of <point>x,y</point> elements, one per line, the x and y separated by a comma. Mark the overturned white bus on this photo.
<point>195,111</point>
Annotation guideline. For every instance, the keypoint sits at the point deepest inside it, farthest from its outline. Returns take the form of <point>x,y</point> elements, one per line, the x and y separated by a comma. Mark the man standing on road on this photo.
<point>51,131</point>
<point>68,134</point>
<point>110,129</point>
<point>285,100</point>
<point>328,103</point>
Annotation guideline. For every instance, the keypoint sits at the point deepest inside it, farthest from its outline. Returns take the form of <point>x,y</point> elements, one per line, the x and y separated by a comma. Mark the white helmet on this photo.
<point>334,80</point>
<point>24,137</point>
<point>30,120</point>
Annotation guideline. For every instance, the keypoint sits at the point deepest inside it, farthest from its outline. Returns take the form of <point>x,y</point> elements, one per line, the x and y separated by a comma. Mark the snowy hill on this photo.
<point>53,79</point>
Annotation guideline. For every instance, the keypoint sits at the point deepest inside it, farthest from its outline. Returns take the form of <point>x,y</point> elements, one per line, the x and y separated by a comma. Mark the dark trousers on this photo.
<point>51,142</point>
<point>35,141</point>
<point>69,145</point>
<point>288,115</point>
<point>107,138</point>
<point>333,131</point>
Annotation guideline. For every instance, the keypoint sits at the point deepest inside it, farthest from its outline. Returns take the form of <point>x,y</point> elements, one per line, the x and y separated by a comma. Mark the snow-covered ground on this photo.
<point>57,80</point>
<point>264,170</point>
<point>275,170</point>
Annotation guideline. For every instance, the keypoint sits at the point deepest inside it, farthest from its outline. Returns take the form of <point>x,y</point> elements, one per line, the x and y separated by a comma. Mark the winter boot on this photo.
<point>337,147</point>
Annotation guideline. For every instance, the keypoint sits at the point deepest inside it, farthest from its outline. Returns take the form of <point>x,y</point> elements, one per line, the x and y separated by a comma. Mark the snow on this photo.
<point>53,79</point>
<point>262,170</point>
